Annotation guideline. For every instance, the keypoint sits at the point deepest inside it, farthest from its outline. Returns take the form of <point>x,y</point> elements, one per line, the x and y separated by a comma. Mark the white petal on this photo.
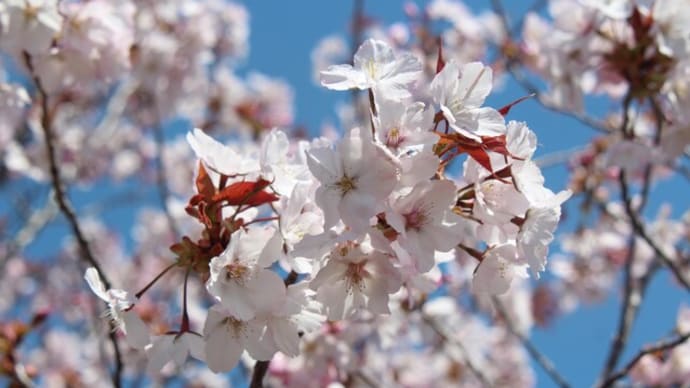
<point>343,77</point>
<point>196,345</point>
<point>159,353</point>
<point>223,351</point>
<point>356,209</point>
<point>285,336</point>
<point>136,331</point>
<point>97,286</point>
<point>266,291</point>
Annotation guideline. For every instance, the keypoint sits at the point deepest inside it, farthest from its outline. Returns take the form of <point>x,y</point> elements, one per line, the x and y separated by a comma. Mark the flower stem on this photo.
<point>152,282</point>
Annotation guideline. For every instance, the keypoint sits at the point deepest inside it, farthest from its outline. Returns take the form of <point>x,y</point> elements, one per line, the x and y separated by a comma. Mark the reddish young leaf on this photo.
<point>504,111</point>
<point>246,193</point>
<point>204,184</point>
<point>496,144</point>
<point>480,156</point>
<point>440,63</point>
<point>186,250</point>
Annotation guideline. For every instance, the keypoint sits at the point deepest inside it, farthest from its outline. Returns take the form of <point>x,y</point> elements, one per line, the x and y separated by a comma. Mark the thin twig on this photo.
<point>66,207</point>
<point>659,347</point>
<point>538,356</point>
<point>632,293</point>
<point>629,308</point>
<point>641,231</point>
<point>455,341</point>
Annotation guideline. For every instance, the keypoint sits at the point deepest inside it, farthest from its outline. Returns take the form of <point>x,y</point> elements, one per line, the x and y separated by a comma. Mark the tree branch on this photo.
<point>539,357</point>
<point>641,231</point>
<point>485,382</point>
<point>66,207</point>
<point>659,347</point>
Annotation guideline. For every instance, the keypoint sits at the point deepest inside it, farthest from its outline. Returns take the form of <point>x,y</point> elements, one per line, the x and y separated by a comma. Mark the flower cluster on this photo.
<point>360,220</point>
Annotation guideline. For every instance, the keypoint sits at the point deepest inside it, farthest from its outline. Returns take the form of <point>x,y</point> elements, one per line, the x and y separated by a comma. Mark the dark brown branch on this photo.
<point>659,347</point>
<point>66,207</point>
<point>538,356</point>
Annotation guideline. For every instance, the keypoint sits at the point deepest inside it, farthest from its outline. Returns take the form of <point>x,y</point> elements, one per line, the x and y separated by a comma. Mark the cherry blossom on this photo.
<point>174,347</point>
<point>29,25</point>
<point>424,221</point>
<point>355,278</point>
<point>460,92</point>
<point>226,337</point>
<point>352,189</point>
<point>120,310</point>
<point>376,67</point>
<point>239,281</point>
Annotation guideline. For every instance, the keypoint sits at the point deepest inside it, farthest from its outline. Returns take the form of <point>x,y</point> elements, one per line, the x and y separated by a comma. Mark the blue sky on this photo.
<point>282,36</point>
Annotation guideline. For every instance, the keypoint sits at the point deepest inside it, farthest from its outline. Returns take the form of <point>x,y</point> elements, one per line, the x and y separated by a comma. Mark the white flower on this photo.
<point>377,67</point>
<point>497,270</point>
<point>238,279</point>
<point>218,157</point>
<point>295,223</point>
<point>420,218</point>
<point>521,142</point>
<point>227,336</point>
<point>496,202</point>
<point>355,178</point>
<point>401,127</point>
<point>300,312</point>
<point>173,347</point>
<point>536,232</point>
<point>283,167</point>
<point>355,278</point>
<point>460,92</point>
<point>120,310</point>
<point>29,25</point>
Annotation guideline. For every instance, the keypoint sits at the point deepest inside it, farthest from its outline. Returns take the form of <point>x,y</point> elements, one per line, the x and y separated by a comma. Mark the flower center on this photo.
<point>393,138</point>
<point>355,275</point>
<point>236,272</point>
<point>234,326</point>
<point>415,219</point>
<point>346,184</point>
<point>370,68</point>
